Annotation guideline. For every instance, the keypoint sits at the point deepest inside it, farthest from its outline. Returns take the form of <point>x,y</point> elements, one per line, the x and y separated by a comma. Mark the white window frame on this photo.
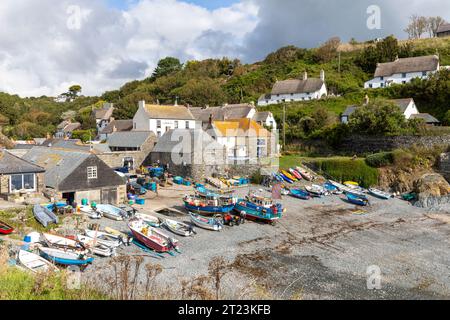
<point>23,184</point>
<point>92,173</point>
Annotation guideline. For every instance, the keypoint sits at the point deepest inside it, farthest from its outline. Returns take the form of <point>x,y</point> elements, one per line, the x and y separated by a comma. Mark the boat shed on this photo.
<point>76,175</point>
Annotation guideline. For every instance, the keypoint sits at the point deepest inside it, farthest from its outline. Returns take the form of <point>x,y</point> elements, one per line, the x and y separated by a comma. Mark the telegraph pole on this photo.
<point>284,124</point>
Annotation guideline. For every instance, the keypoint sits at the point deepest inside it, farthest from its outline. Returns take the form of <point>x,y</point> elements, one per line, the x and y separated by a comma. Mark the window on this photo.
<point>159,134</point>
<point>424,74</point>
<point>370,85</point>
<point>176,124</point>
<point>92,173</point>
<point>403,75</point>
<point>158,124</point>
<point>134,126</point>
<point>382,85</point>
<point>22,182</point>
<point>381,78</point>
<point>187,124</point>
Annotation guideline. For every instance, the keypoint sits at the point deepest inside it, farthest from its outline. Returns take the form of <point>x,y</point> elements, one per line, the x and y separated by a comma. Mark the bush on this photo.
<point>346,169</point>
<point>379,160</point>
<point>256,178</point>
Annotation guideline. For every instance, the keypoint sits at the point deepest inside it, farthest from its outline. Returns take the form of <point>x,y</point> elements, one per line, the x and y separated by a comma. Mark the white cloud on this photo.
<point>46,47</point>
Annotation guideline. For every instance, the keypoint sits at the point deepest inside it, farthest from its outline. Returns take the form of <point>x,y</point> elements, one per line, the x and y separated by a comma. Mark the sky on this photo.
<point>47,46</point>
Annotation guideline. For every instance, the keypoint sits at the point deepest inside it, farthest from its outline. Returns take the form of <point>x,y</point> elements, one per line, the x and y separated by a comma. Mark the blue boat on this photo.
<point>300,194</point>
<point>259,208</point>
<point>66,258</point>
<point>285,178</point>
<point>331,188</point>
<point>357,200</point>
<point>207,206</point>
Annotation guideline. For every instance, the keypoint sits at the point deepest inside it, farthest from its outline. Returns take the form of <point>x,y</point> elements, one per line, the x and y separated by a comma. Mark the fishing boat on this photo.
<point>91,212</point>
<point>295,173</point>
<point>150,219</point>
<point>151,237</point>
<point>97,247</point>
<point>35,263</point>
<point>104,238</point>
<point>111,212</point>
<point>316,190</point>
<point>357,200</point>
<point>203,193</point>
<point>179,228</point>
<point>305,174</point>
<point>380,194</point>
<point>259,208</point>
<point>207,223</point>
<point>5,228</point>
<point>44,215</point>
<point>53,240</point>
<point>209,206</point>
<point>300,194</point>
<point>66,258</point>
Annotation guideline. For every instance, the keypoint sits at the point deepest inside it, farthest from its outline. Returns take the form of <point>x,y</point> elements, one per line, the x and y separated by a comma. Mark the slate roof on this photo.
<point>428,118</point>
<point>297,86</point>
<point>228,112</point>
<point>403,103</point>
<point>105,113</point>
<point>175,138</point>
<point>262,116</point>
<point>118,126</point>
<point>156,111</point>
<point>58,163</point>
<point>73,144</point>
<point>444,28</point>
<point>128,139</point>
<point>405,65</point>
<point>10,164</point>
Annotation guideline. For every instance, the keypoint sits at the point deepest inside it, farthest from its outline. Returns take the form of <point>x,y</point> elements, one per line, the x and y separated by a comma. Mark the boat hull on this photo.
<point>5,229</point>
<point>300,194</point>
<point>209,210</point>
<point>254,212</point>
<point>64,260</point>
<point>207,223</point>
<point>148,242</point>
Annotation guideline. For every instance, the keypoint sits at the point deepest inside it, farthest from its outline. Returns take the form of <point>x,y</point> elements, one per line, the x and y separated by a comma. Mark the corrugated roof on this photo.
<point>156,111</point>
<point>173,139</point>
<point>405,65</point>
<point>238,128</point>
<point>428,118</point>
<point>10,164</point>
<point>58,163</point>
<point>297,86</point>
<point>128,139</point>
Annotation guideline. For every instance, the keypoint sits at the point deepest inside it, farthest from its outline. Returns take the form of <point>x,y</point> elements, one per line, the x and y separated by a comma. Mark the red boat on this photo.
<point>151,237</point>
<point>5,229</point>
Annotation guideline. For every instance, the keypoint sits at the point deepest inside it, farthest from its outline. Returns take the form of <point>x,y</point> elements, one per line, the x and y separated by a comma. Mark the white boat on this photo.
<point>54,240</point>
<point>150,219</point>
<point>179,228</point>
<point>44,215</point>
<point>91,213</point>
<point>380,194</point>
<point>35,263</point>
<point>111,212</point>
<point>305,174</point>
<point>65,257</point>
<point>346,189</point>
<point>127,239</point>
<point>316,190</point>
<point>97,247</point>
<point>104,238</point>
<point>206,223</point>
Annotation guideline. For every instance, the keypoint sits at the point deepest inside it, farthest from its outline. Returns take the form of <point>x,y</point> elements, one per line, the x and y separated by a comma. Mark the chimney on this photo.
<point>142,104</point>
<point>210,119</point>
<point>305,75</point>
<point>322,75</point>
<point>366,100</point>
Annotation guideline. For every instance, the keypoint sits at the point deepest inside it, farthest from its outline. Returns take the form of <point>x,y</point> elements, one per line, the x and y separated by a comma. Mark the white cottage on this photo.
<point>402,71</point>
<point>296,90</point>
<point>162,118</point>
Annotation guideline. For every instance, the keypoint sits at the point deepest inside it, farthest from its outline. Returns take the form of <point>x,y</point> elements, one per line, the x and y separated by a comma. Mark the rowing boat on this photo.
<point>179,228</point>
<point>90,212</point>
<point>5,228</point>
<point>111,212</point>
<point>104,238</point>
<point>357,200</point>
<point>151,237</point>
<point>44,215</point>
<point>380,194</point>
<point>150,219</point>
<point>67,258</point>
<point>35,263</point>
<point>207,223</point>
<point>53,240</point>
<point>97,247</point>
<point>300,194</point>
<point>305,174</point>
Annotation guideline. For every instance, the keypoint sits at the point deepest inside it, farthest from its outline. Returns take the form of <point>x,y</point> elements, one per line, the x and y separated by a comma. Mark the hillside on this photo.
<point>218,81</point>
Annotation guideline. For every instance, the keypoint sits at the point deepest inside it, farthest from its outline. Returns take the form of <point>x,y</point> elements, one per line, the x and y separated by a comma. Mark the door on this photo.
<point>109,196</point>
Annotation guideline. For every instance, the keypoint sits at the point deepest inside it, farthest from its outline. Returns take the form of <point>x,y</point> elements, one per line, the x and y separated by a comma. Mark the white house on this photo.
<point>402,71</point>
<point>103,116</point>
<point>233,112</point>
<point>407,107</point>
<point>296,90</point>
<point>162,118</point>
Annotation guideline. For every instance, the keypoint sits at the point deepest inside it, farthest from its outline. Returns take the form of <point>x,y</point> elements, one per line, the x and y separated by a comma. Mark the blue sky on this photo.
<point>209,4</point>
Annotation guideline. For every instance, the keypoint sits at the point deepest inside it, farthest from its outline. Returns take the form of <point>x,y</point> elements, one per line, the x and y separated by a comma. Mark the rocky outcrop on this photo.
<point>431,185</point>
<point>444,165</point>
<point>400,180</point>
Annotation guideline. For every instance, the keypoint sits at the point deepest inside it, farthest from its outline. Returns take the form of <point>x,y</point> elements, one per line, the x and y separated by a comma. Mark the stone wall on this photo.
<point>444,165</point>
<point>364,144</point>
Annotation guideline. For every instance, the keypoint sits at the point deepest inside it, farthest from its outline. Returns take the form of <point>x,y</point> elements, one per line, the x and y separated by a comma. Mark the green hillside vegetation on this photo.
<point>217,81</point>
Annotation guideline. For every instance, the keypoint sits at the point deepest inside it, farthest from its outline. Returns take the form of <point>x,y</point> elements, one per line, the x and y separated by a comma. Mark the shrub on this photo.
<point>379,160</point>
<point>256,178</point>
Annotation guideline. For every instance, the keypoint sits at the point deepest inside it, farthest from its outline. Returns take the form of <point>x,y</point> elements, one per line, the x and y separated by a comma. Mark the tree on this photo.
<point>201,92</point>
<point>417,26</point>
<point>75,90</point>
<point>328,50</point>
<point>166,66</point>
<point>433,25</point>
